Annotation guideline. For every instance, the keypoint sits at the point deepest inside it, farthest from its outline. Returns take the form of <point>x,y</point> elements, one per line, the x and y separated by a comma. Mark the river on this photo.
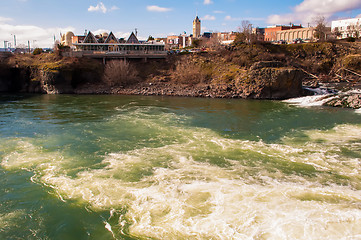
<point>134,167</point>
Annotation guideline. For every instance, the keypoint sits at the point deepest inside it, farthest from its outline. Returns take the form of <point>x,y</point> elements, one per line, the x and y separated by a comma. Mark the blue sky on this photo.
<point>39,20</point>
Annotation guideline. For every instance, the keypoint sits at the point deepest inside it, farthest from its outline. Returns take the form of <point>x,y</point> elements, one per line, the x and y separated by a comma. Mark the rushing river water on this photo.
<point>131,167</point>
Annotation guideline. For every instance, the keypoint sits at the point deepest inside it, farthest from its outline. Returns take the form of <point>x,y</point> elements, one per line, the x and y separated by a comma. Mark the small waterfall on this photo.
<point>318,97</point>
<point>320,90</point>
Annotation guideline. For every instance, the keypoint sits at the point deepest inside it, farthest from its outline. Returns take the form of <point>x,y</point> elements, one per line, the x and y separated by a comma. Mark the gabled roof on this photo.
<point>90,38</point>
<point>132,38</point>
<point>111,38</point>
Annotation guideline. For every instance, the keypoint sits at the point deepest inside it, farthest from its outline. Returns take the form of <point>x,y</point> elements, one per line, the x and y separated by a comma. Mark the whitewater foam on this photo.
<point>205,186</point>
<point>310,101</point>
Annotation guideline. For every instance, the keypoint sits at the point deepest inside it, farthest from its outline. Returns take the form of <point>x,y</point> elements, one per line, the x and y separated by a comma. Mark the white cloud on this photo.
<point>218,12</point>
<point>100,7</point>
<point>229,18</point>
<point>155,8</point>
<point>114,8</point>
<point>124,35</point>
<point>208,18</point>
<point>306,11</point>
<point>207,2</point>
<point>4,19</point>
<point>38,37</point>
<point>100,31</point>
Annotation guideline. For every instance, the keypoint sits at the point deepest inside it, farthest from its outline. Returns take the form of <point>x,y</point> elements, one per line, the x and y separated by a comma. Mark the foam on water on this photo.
<point>210,187</point>
<point>7,220</point>
<point>310,101</point>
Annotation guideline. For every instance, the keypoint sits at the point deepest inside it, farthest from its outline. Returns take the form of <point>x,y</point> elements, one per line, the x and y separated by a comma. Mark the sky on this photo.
<point>38,22</point>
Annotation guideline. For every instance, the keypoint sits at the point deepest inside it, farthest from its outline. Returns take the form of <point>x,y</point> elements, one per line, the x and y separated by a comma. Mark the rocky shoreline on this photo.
<point>347,97</point>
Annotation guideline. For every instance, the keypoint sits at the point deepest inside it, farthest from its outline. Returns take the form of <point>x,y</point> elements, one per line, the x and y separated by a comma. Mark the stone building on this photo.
<point>67,39</point>
<point>196,27</point>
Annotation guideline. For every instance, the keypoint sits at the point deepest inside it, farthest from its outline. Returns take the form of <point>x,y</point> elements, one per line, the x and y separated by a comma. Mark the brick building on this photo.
<point>270,33</point>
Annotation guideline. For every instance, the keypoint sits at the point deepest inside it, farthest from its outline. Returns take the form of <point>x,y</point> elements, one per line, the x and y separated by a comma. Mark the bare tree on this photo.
<point>354,30</point>
<point>320,29</point>
<point>336,32</point>
<point>119,72</point>
<point>246,30</point>
<point>213,43</point>
<point>187,72</point>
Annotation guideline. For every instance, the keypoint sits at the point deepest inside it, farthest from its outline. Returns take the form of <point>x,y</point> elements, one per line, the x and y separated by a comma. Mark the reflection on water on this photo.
<point>121,167</point>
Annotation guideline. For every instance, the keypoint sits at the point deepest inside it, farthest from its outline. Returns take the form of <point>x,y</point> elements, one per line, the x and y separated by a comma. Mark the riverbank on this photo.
<point>249,71</point>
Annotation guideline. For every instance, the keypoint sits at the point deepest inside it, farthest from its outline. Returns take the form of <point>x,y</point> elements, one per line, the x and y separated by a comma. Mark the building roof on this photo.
<point>90,38</point>
<point>111,38</point>
<point>132,38</point>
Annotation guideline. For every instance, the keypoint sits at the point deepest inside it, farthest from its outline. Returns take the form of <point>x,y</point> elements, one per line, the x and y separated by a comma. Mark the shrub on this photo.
<point>37,51</point>
<point>188,72</point>
<point>352,62</point>
<point>119,73</point>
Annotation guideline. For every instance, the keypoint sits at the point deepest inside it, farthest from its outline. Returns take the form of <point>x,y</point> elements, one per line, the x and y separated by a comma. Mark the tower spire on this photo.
<point>196,27</point>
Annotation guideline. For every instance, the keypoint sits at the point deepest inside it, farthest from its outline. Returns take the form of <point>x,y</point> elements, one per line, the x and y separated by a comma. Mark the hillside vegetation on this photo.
<point>226,68</point>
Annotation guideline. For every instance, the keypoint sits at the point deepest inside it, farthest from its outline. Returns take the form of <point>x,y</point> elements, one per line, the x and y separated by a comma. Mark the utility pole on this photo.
<point>29,45</point>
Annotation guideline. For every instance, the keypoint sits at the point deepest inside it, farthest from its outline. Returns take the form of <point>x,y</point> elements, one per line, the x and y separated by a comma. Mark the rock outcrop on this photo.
<point>350,99</point>
<point>271,80</point>
<point>264,80</point>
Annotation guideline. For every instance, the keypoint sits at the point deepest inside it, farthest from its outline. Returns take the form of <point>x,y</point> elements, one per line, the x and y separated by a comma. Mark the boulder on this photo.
<point>346,100</point>
<point>271,80</point>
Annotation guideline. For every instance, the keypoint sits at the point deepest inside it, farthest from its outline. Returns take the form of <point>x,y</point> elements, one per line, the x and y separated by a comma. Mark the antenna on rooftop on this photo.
<point>136,32</point>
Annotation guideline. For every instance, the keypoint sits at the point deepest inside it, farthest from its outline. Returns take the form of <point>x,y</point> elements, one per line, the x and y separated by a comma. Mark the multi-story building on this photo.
<point>304,34</point>
<point>108,46</point>
<point>270,33</point>
<point>196,27</point>
<point>225,37</point>
<point>178,41</point>
<point>258,33</point>
<point>347,27</point>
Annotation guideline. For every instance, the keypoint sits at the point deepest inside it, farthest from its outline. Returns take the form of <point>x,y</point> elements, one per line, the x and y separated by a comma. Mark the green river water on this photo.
<point>132,167</point>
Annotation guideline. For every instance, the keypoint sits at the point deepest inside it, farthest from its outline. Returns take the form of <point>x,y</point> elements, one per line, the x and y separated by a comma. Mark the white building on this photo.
<point>347,27</point>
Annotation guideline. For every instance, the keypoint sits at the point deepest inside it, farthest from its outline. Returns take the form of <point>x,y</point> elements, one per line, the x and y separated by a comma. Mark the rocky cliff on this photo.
<point>47,74</point>
<point>54,75</point>
<point>271,80</point>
